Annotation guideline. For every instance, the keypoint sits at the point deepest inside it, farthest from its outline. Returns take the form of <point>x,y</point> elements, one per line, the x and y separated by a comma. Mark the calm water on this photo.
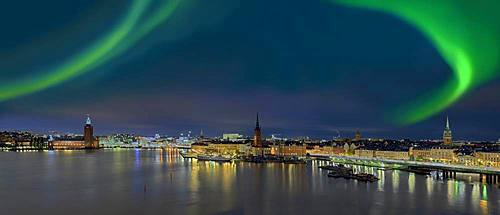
<point>162,182</point>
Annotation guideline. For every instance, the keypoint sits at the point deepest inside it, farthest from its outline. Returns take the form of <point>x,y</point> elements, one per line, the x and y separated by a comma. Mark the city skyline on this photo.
<point>356,135</point>
<point>250,107</point>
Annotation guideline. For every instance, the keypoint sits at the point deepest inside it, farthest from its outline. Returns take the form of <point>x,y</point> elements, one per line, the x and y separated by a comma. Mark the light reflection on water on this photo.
<point>140,181</point>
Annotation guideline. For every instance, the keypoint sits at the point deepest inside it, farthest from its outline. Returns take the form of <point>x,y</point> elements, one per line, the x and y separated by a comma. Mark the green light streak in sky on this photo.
<point>127,33</point>
<point>466,33</point>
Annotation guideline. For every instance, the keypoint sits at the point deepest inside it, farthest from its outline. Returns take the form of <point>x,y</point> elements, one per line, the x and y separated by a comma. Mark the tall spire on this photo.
<point>257,122</point>
<point>447,137</point>
<point>89,121</point>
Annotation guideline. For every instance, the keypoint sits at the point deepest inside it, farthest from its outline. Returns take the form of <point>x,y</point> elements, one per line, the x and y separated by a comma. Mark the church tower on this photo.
<point>357,136</point>
<point>88,134</point>
<point>447,138</point>
<point>257,139</point>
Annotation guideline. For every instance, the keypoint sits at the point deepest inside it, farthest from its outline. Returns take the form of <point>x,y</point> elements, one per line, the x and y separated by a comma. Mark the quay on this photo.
<point>486,174</point>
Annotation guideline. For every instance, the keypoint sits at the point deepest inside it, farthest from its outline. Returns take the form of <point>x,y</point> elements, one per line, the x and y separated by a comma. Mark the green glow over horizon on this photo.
<point>123,36</point>
<point>464,32</point>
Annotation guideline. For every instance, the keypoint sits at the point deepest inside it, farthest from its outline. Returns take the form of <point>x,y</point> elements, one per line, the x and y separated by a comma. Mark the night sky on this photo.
<point>309,68</point>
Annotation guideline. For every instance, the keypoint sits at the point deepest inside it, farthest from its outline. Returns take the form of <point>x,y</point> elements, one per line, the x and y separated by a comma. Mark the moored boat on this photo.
<point>188,154</point>
<point>213,158</point>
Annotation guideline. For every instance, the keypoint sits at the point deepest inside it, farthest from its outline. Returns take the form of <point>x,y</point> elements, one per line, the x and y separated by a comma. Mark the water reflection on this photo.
<point>411,182</point>
<point>93,182</point>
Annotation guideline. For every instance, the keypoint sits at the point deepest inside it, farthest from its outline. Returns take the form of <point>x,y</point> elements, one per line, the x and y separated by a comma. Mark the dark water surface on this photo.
<point>162,182</point>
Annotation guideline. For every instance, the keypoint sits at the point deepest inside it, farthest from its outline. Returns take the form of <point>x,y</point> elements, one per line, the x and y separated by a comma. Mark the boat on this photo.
<point>340,171</point>
<point>337,168</point>
<point>213,158</point>
<point>188,154</point>
<point>365,177</point>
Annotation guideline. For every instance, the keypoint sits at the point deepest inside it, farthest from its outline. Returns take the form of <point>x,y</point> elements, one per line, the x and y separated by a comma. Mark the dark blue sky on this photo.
<point>309,67</point>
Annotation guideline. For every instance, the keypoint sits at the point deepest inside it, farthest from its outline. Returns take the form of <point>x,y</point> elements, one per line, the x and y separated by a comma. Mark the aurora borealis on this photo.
<point>117,41</point>
<point>386,67</point>
<point>466,34</point>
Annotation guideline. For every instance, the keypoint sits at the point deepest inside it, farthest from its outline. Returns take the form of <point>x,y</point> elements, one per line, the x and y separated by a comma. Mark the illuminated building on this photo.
<point>364,153</point>
<point>285,151</point>
<point>88,135</point>
<point>232,149</point>
<point>257,140</point>
<point>392,155</point>
<point>488,158</point>
<point>232,136</point>
<point>67,145</point>
<point>74,143</point>
<point>326,150</point>
<point>258,149</point>
<point>437,154</point>
<point>447,138</point>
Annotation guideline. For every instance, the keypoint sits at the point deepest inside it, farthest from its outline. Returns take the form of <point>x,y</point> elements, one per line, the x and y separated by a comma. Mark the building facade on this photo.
<point>87,142</point>
<point>491,159</point>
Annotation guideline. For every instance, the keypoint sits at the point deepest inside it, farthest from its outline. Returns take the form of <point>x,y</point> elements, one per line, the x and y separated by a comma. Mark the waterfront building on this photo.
<point>88,141</point>
<point>488,158</point>
<point>468,160</point>
<point>326,150</point>
<point>447,137</point>
<point>287,151</point>
<point>88,135</point>
<point>220,148</point>
<point>436,154</point>
<point>392,155</point>
<point>364,153</point>
<point>22,141</point>
<point>67,144</point>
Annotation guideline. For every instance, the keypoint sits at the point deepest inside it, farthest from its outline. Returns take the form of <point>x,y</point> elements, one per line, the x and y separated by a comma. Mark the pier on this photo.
<point>486,174</point>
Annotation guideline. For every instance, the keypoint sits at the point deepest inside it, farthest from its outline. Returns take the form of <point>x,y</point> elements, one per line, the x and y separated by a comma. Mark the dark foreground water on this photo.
<point>162,182</point>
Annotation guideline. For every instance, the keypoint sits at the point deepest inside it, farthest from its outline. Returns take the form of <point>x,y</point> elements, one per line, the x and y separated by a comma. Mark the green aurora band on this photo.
<point>134,26</point>
<point>465,32</point>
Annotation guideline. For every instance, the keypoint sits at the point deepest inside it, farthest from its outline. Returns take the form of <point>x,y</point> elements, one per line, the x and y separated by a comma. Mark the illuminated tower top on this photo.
<point>88,135</point>
<point>89,121</point>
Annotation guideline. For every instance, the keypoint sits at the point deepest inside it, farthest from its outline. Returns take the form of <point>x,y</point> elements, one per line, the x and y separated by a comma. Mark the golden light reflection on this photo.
<point>228,176</point>
<point>475,193</point>
<point>483,204</point>
<point>381,182</point>
<point>451,192</point>
<point>395,181</point>
<point>411,183</point>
